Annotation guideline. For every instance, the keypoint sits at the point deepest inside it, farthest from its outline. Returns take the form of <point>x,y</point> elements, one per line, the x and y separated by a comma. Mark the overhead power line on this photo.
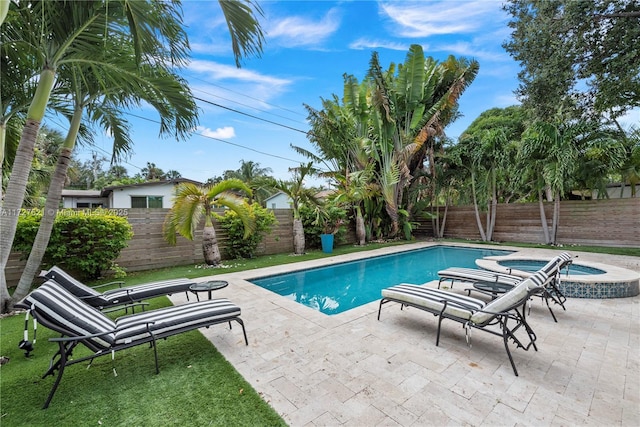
<point>224,141</point>
<point>250,115</point>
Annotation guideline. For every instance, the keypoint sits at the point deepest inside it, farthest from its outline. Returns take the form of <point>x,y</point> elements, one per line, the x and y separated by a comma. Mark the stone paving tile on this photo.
<point>353,370</point>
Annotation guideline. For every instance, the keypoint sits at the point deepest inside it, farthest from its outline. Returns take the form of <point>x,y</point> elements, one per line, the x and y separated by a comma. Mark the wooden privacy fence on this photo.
<point>613,222</point>
<point>148,250</point>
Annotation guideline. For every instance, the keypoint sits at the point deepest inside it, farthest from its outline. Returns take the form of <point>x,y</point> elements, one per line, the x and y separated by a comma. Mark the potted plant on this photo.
<point>331,218</point>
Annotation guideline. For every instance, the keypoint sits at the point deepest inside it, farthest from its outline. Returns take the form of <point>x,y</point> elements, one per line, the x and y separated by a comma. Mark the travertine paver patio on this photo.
<point>351,369</point>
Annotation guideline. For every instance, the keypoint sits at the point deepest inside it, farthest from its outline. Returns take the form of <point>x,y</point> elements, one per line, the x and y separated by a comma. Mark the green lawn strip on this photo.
<point>196,385</point>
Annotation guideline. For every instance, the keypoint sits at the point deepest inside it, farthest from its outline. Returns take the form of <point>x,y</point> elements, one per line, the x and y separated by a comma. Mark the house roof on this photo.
<point>279,193</point>
<point>107,190</point>
<point>80,193</point>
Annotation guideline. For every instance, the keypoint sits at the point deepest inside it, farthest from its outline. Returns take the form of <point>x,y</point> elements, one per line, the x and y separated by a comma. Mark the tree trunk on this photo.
<point>14,196</point>
<point>475,207</point>
<point>46,225</point>
<point>361,235</point>
<point>543,219</point>
<point>298,237</point>
<point>444,220</point>
<point>210,249</point>
<point>556,219</point>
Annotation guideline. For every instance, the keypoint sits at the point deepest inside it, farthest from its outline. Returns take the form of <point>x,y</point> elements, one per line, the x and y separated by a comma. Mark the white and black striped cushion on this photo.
<point>117,296</point>
<point>506,301</point>
<point>171,320</point>
<point>477,275</point>
<point>146,291</point>
<point>77,288</point>
<point>434,299</point>
<point>63,312</point>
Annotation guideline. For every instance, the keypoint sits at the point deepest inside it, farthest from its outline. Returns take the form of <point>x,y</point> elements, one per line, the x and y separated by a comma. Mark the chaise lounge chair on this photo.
<point>112,298</point>
<point>507,311</point>
<point>79,323</point>
<point>506,281</point>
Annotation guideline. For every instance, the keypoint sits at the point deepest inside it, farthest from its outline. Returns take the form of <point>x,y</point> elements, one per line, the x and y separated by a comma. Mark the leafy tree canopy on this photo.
<point>578,57</point>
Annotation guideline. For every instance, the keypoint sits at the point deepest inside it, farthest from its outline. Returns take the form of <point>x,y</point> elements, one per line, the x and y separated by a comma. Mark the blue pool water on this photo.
<point>535,265</point>
<point>338,288</point>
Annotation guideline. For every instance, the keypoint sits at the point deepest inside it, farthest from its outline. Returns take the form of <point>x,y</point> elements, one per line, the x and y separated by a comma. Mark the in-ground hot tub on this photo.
<point>581,280</point>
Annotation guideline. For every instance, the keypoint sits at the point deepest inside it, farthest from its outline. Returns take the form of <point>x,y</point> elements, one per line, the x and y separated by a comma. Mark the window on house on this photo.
<point>146,201</point>
<point>155,201</point>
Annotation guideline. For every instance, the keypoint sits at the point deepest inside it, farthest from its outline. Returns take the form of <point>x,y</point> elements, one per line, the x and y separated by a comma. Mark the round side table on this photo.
<point>209,287</point>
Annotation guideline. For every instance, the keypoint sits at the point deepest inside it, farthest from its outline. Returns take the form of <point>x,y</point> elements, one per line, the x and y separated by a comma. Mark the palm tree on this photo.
<point>357,188</point>
<point>94,92</point>
<point>630,169</point>
<point>552,151</point>
<point>151,172</point>
<point>299,195</point>
<point>59,33</point>
<point>192,202</point>
<point>411,108</point>
<point>256,178</point>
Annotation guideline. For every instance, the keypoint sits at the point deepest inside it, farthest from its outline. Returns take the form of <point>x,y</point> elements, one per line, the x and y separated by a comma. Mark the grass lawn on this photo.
<point>196,385</point>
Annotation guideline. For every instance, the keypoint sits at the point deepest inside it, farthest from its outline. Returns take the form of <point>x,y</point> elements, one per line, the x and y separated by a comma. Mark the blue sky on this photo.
<point>309,46</point>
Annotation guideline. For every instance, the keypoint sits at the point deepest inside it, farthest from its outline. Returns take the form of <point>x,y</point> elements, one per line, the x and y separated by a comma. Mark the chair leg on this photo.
<point>61,364</point>
<point>239,320</point>
<point>505,338</point>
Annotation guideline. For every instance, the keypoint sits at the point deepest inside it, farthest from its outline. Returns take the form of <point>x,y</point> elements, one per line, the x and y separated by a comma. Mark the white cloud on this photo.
<point>302,31</point>
<point>424,19</point>
<point>363,43</point>
<point>217,71</point>
<point>471,50</point>
<point>226,132</point>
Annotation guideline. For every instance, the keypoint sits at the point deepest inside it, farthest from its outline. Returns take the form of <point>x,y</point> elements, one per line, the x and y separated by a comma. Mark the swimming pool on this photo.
<point>338,288</point>
<point>531,266</point>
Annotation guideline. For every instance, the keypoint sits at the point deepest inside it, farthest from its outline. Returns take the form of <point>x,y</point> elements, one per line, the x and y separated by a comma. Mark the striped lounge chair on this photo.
<point>79,323</point>
<point>552,288</point>
<point>127,296</point>
<point>507,311</point>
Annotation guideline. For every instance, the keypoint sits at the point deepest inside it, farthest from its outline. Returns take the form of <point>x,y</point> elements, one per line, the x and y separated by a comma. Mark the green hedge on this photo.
<point>237,247</point>
<point>84,242</point>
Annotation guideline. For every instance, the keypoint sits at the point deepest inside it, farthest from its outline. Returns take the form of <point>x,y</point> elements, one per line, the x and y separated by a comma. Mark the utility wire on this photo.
<point>250,115</point>
<point>247,96</point>
<point>226,142</point>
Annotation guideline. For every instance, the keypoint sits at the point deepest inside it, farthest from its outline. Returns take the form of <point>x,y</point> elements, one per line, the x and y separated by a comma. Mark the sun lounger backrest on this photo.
<point>61,311</point>
<point>76,287</point>
<point>508,300</point>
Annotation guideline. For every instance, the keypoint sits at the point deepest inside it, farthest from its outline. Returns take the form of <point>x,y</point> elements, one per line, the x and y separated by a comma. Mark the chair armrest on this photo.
<point>127,306</point>
<point>117,282</point>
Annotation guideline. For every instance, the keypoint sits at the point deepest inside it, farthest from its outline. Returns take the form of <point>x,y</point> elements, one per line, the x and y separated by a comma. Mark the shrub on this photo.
<point>331,220</point>
<point>236,246</point>
<point>85,242</point>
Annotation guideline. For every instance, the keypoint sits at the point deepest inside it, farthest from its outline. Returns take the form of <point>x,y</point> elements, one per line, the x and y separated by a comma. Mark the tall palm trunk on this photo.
<point>556,219</point>
<point>17,186</point>
<point>4,9</point>
<point>361,234</point>
<point>210,248</point>
<point>298,237</point>
<point>475,207</point>
<point>52,204</point>
<point>543,218</point>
